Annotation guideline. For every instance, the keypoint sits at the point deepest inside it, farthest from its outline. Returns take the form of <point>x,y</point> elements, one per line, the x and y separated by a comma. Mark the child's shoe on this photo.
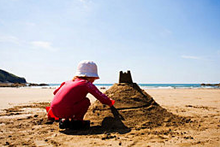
<point>63,124</point>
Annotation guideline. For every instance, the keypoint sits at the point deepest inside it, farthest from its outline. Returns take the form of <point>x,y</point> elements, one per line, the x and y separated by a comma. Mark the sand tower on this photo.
<point>125,77</point>
<point>134,108</point>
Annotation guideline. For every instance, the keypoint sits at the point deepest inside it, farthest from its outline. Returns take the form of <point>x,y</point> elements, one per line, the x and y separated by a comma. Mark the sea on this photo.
<point>152,86</point>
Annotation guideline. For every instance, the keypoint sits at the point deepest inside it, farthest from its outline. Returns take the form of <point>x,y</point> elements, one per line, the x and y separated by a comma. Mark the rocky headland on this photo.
<point>6,77</point>
<point>214,85</point>
<point>10,80</point>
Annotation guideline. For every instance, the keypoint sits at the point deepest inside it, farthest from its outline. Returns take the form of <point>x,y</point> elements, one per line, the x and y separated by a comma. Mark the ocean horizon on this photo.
<point>153,86</point>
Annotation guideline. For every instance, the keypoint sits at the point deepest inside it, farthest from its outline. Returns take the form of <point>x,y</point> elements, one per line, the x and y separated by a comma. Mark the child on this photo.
<point>70,101</point>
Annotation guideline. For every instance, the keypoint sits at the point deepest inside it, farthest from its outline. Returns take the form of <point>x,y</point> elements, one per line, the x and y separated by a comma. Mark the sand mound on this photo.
<point>129,95</point>
<point>134,108</point>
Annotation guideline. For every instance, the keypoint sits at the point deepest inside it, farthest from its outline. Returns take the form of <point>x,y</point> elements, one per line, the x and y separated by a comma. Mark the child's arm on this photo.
<point>99,95</point>
<point>55,91</point>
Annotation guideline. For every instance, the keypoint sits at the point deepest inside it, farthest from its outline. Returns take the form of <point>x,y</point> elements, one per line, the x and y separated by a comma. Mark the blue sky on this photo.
<point>172,41</point>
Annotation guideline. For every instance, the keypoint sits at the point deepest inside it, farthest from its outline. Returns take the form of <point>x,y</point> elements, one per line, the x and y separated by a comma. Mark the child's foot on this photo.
<point>63,124</point>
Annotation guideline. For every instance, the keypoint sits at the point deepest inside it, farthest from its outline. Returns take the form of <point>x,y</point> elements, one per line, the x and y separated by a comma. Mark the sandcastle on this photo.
<point>134,108</point>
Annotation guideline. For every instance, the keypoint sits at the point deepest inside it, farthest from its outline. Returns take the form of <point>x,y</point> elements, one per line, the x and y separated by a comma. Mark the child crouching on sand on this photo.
<point>70,101</point>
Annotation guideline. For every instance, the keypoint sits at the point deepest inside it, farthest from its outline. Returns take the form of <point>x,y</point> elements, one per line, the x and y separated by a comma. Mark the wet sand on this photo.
<point>25,125</point>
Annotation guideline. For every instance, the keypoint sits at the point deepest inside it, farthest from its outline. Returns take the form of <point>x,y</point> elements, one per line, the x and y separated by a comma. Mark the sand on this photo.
<point>13,96</point>
<point>10,97</point>
<point>26,124</point>
<point>134,109</point>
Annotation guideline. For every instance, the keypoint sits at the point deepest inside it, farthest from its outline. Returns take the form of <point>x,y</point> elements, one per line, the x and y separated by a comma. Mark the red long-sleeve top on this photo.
<point>71,92</point>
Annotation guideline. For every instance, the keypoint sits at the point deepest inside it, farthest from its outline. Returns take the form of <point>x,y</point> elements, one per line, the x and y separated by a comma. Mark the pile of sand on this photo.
<point>134,108</point>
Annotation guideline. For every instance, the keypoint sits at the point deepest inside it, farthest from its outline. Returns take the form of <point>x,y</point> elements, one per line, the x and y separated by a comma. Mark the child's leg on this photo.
<point>81,108</point>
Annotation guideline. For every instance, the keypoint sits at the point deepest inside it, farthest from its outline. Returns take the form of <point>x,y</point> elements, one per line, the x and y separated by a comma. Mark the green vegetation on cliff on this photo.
<point>6,77</point>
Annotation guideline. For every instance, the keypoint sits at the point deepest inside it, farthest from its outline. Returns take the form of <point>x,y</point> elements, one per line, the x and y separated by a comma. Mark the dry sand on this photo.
<point>10,97</point>
<point>13,96</point>
<point>25,125</point>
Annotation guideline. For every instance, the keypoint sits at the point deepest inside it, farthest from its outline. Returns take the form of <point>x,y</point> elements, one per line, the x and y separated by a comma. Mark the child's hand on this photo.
<point>112,103</point>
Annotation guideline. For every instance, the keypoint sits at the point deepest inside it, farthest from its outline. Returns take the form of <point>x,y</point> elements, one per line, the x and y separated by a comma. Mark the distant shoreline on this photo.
<point>106,86</point>
<point>22,84</point>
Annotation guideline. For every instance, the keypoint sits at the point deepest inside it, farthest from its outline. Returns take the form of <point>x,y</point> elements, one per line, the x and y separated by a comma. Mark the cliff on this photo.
<point>6,77</point>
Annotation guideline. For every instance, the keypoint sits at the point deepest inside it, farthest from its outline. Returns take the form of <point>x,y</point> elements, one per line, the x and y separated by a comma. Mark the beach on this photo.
<point>25,125</point>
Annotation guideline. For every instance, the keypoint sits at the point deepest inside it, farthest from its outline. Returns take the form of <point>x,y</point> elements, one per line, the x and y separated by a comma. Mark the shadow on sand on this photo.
<point>109,125</point>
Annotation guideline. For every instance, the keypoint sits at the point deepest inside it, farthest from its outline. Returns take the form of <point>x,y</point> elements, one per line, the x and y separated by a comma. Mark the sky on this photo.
<point>172,41</point>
